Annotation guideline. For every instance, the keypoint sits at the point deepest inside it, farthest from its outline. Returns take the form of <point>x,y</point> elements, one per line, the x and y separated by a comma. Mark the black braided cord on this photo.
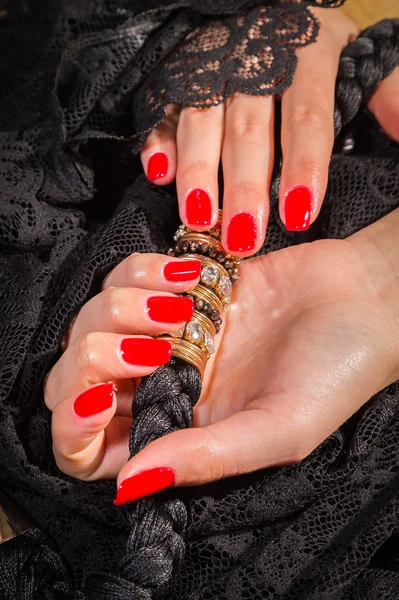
<point>364,63</point>
<point>164,402</point>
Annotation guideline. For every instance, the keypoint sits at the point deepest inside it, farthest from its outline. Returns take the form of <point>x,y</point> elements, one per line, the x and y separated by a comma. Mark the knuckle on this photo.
<point>112,305</point>
<point>210,462</point>
<point>196,167</point>
<point>312,167</point>
<point>87,350</point>
<point>213,467</point>
<point>249,190</point>
<point>131,264</point>
<point>249,127</point>
<point>216,470</point>
<point>311,115</point>
<point>196,117</point>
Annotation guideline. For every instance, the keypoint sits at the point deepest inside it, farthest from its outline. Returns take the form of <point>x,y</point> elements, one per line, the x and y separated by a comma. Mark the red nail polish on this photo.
<point>157,166</point>
<point>169,309</point>
<point>94,400</point>
<point>198,208</point>
<point>241,234</point>
<point>182,271</point>
<point>298,205</point>
<point>146,352</point>
<point>144,484</point>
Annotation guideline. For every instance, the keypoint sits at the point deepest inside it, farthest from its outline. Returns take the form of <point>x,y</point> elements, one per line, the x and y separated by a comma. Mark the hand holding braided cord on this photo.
<point>155,547</point>
<point>129,589</point>
<point>370,59</point>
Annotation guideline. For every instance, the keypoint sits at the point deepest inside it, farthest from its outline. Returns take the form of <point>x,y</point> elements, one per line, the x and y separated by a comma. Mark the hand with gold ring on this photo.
<point>107,350</point>
<point>310,336</point>
<point>190,143</point>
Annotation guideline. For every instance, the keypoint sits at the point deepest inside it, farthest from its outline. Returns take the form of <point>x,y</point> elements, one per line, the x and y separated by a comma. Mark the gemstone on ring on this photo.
<point>209,275</point>
<point>209,343</point>
<point>225,286</point>
<point>194,332</point>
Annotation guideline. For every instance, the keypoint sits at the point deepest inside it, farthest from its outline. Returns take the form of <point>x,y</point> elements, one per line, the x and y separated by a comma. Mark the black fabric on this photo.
<point>73,205</point>
<point>251,52</point>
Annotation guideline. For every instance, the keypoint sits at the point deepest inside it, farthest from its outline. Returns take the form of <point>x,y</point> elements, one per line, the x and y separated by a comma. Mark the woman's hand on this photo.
<point>190,143</point>
<point>90,389</point>
<point>311,335</point>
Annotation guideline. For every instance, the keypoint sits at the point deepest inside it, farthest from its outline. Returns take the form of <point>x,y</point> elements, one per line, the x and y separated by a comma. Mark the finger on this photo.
<point>131,310</point>
<point>103,357</point>
<point>199,142</point>
<point>154,272</point>
<point>247,167</point>
<point>158,155</point>
<point>89,442</point>
<point>241,443</point>
<point>307,135</point>
<point>384,104</point>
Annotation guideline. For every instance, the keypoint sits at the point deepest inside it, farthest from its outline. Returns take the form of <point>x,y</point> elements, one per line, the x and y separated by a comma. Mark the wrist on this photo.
<point>378,245</point>
<point>378,248</point>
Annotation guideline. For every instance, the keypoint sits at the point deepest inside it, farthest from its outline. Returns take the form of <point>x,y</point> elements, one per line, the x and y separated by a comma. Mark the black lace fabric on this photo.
<point>74,203</point>
<point>252,53</point>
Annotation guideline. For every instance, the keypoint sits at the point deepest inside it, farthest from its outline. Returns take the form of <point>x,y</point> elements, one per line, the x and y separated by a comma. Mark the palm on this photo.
<point>301,333</point>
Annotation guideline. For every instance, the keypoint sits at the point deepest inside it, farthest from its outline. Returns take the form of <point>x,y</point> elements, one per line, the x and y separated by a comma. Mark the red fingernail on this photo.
<point>146,352</point>
<point>298,204</point>
<point>170,309</point>
<point>241,234</point>
<point>94,400</point>
<point>198,208</point>
<point>157,166</point>
<point>182,271</point>
<point>144,484</point>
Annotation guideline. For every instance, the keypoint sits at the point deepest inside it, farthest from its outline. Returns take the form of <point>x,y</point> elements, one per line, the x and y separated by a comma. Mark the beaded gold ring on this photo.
<point>194,342</point>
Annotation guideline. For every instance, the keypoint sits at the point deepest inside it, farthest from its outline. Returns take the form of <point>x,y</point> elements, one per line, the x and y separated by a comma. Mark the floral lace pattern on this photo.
<point>251,53</point>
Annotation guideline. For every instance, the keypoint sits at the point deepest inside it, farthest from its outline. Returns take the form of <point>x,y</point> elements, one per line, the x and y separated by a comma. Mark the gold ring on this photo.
<point>188,352</point>
<point>208,296</point>
<point>194,342</point>
<point>205,323</point>
<point>207,262</point>
<point>193,240</point>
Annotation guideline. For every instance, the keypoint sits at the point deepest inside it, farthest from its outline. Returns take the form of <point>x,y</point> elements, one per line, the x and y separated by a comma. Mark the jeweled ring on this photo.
<point>195,341</point>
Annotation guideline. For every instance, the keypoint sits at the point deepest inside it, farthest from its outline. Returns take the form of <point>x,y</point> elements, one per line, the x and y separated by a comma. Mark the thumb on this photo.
<point>384,104</point>
<point>243,442</point>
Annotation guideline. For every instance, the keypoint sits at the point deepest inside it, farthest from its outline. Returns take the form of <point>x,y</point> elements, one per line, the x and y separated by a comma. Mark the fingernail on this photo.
<point>241,234</point>
<point>94,400</point>
<point>146,352</point>
<point>143,484</point>
<point>198,208</point>
<point>182,271</point>
<point>298,205</point>
<point>170,309</point>
<point>157,166</point>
